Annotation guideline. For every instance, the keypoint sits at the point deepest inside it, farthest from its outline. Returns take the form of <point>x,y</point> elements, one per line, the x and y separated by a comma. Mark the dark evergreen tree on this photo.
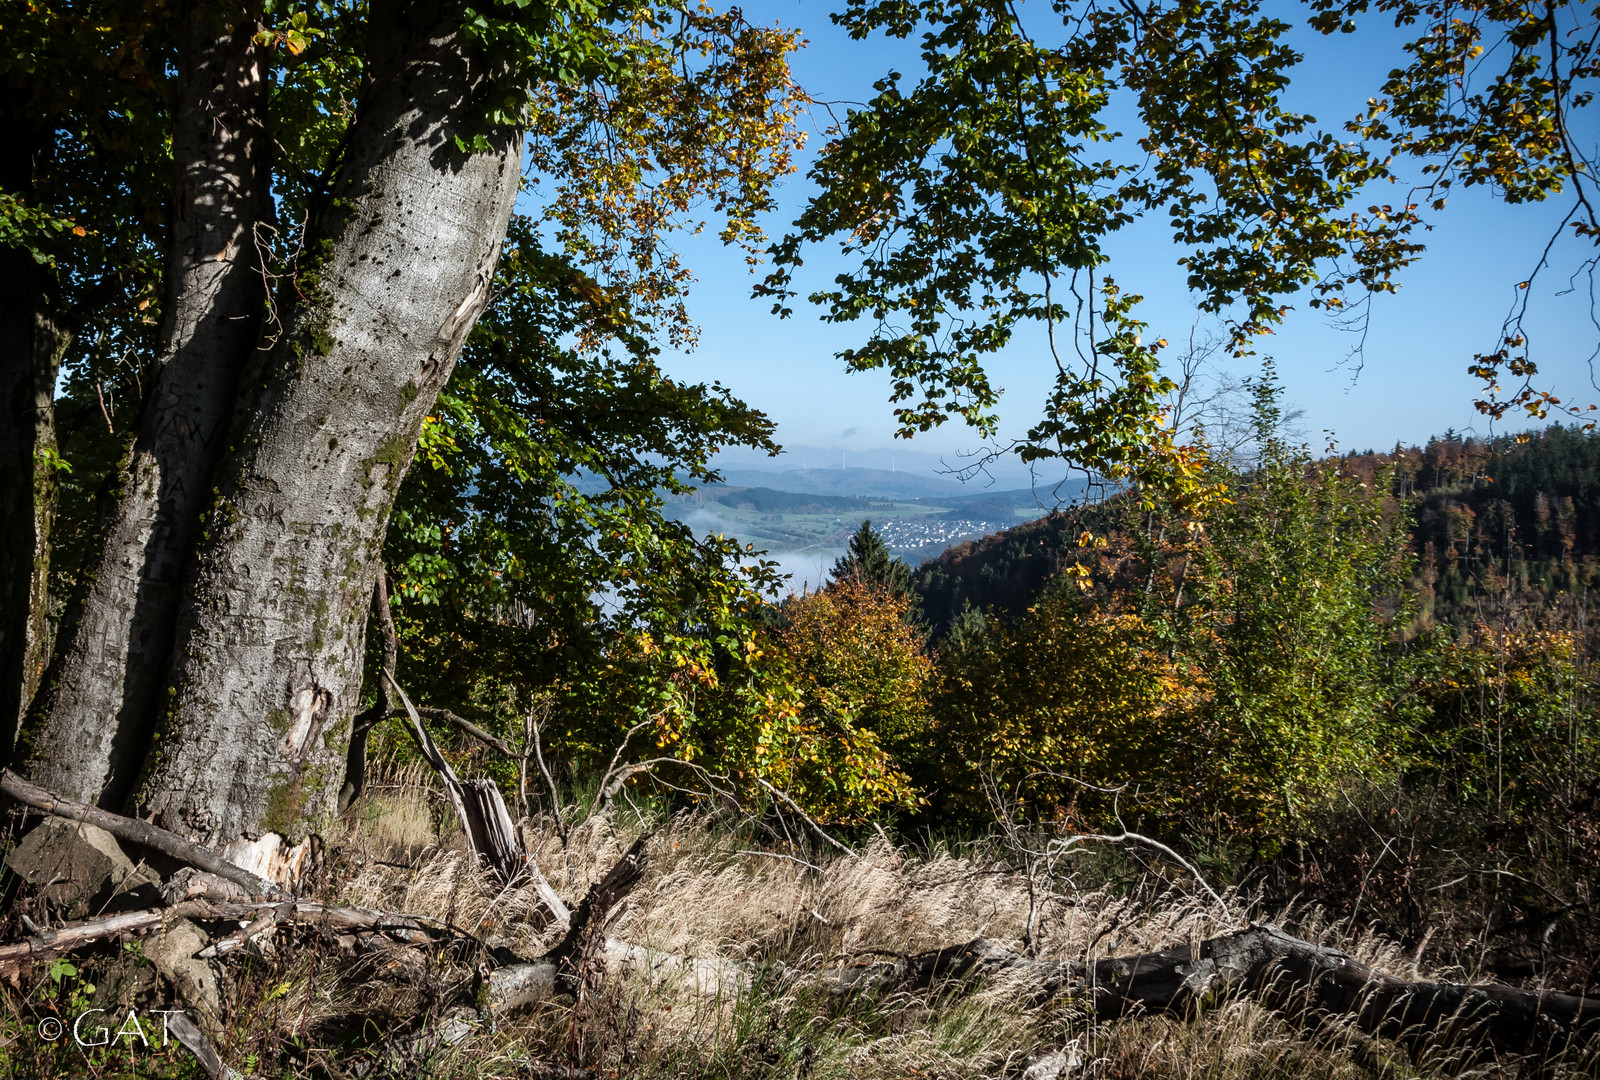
<point>869,559</point>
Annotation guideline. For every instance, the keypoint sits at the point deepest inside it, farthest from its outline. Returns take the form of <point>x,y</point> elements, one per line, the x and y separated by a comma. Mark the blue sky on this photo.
<point>1411,384</point>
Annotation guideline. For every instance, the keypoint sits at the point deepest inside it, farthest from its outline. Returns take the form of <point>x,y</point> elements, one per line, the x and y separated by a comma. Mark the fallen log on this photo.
<point>602,899</point>
<point>518,985</point>
<point>1278,970</point>
<point>260,914</point>
<point>76,935</point>
<point>135,831</point>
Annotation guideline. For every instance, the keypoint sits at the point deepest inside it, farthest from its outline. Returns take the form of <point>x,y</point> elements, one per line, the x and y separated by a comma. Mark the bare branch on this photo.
<point>614,781</point>
<point>605,780</point>
<point>795,807</point>
<point>493,742</point>
<point>1132,837</point>
<point>135,831</point>
<point>483,816</point>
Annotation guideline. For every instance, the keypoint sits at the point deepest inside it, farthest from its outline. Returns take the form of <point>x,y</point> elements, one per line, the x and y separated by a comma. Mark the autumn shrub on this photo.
<point>1069,692</point>
<point>863,678</point>
<point>1293,591</point>
<point>1506,716</point>
<point>1226,670</point>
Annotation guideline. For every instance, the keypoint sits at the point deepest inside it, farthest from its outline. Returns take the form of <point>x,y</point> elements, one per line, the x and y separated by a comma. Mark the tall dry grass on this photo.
<point>735,912</point>
<point>712,921</point>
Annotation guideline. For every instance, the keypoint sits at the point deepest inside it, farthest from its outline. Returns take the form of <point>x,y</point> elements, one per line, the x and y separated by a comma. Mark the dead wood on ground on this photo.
<point>142,833</point>
<point>1295,977</point>
<point>483,815</point>
<point>1279,971</point>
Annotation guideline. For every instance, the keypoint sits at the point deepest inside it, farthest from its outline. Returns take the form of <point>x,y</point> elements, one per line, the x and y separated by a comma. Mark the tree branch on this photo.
<point>483,816</point>
<point>794,806</point>
<point>493,742</point>
<point>135,831</point>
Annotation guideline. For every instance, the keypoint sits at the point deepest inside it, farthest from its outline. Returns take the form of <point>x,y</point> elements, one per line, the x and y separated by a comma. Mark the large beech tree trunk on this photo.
<point>90,730</point>
<point>267,662</point>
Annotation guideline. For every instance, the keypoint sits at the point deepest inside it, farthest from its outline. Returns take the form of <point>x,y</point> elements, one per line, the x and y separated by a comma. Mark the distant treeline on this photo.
<point>767,501</point>
<point>1492,516</point>
<point>1487,518</point>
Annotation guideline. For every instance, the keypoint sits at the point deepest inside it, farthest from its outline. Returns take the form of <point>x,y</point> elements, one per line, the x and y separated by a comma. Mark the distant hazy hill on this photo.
<point>858,483</point>
<point>767,500</point>
<point>973,499</point>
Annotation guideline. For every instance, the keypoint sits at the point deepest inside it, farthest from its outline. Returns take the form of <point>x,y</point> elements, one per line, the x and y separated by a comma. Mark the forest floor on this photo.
<point>684,988</point>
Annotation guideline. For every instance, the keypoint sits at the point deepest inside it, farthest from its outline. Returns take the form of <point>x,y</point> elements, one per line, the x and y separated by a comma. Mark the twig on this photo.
<point>477,825</point>
<point>818,829</point>
<point>265,921</point>
<point>555,795</point>
<point>100,390</point>
<point>1126,837</point>
<point>594,806</point>
<point>786,858</point>
<point>607,795</point>
<point>493,742</point>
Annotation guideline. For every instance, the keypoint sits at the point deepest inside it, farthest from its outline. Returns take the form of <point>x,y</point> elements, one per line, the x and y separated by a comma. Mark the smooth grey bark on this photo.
<point>268,659</point>
<point>33,338</point>
<point>89,732</point>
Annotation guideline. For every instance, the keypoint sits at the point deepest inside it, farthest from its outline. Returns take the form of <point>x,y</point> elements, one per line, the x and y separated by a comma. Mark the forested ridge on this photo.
<point>1487,516</point>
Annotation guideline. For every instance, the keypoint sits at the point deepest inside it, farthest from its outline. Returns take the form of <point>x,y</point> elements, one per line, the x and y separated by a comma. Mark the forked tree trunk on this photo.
<point>90,730</point>
<point>268,657</point>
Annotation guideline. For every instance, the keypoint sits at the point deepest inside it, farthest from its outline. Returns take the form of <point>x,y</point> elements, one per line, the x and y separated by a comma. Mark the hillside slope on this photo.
<point>1490,518</point>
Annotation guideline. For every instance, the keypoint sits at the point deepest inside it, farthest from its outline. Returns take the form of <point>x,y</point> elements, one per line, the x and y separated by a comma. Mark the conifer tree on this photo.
<point>870,560</point>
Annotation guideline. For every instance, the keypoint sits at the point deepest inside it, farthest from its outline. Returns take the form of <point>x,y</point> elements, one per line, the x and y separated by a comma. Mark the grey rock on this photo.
<point>78,867</point>
<point>1056,1065</point>
<point>172,952</point>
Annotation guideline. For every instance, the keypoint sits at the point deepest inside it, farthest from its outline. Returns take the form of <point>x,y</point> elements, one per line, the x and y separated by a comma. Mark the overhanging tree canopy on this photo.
<point>976,198</point>
<point>342,177</point>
